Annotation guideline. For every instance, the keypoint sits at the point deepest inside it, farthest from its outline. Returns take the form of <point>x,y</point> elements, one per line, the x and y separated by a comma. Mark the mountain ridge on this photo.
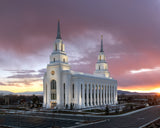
<point>120,92</point>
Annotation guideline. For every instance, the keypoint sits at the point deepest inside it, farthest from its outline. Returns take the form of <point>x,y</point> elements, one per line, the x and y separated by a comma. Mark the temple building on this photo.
<point>64,88</point>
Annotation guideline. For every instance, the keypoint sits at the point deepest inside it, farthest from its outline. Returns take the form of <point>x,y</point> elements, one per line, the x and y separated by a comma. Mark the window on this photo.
<point>63,60</point>
<point>85,95</point>
<point>105,94</point>
<point>54,59</point>
<point>99,67</point>
<point>64,93</point>
<point>99,94</point>
<point>100,57</point>
<point>73,90</point>
<point>53,84</point>
<point>53,90</point>
<point>89,94</point>
<point>102,94</point>
<point>81,90</point>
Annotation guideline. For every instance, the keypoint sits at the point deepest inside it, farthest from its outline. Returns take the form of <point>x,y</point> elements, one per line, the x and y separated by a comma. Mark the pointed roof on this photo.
<point>101,44</point>
<point>58,31</point>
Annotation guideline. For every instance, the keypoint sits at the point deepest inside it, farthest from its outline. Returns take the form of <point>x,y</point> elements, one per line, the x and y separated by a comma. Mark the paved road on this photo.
<point>40,120</point>
<point>131,121</point>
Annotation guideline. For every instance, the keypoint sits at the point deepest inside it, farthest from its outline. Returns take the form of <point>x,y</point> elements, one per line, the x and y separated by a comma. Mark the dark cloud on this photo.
<point>43,70</point>
<point>23,74</point>
<point>21,71</point>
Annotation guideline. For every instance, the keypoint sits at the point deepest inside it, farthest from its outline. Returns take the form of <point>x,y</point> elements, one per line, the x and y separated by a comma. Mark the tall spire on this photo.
<point>58,31</point>
<point>101,43</point>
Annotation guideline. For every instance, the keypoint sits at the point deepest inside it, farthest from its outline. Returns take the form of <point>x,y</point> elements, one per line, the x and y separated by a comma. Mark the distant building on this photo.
<point>64,88</point>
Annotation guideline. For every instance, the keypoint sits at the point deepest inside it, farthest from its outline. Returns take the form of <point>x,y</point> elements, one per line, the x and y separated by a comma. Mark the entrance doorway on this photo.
<point>53,105</point>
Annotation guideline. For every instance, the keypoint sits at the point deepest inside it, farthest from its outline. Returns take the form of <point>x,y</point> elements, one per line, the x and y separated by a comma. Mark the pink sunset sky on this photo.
<point>130,28</point>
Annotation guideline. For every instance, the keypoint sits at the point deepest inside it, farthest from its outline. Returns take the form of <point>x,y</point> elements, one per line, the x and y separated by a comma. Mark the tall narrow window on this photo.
<point>99,67</point>
<point>63,60</point>
<point>89,94</point>
<point>81,90</point>
<point>102,94</point>
<point>99,94</point>
<point>105,95</point>
<point>64,93</point>
<point>73,90</point>
<point>46,93</point>
<point>85,95</point>
<point>54,59</point>
<point>53,90</point>
<point>100,57</point>
<point>93,94</point>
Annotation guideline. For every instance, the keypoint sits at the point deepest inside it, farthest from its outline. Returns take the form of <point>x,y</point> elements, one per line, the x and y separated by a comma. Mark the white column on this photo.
<point>94,95</point>
<point>114,94</point>
<point>100,94</point>
<point>109,94</point>
<point>97,94</point>
<point>87,95</point>
<point>83,91</point>
<point>103,94</point>
<point>91,94</point>
<point>106,94</point>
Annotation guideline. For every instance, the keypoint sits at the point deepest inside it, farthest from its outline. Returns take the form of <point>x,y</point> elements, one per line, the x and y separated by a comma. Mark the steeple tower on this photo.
<point>101,43</point>
<point>59,56</point>
<point>58,31</point>
<point>101,65</point>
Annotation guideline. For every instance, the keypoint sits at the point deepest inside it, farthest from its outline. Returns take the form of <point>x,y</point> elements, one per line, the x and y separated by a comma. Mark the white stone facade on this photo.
<point>64,88</point>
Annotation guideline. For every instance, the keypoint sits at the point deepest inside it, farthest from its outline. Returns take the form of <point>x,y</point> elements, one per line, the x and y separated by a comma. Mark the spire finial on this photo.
<point>101,43</point>
<point>58,31</point>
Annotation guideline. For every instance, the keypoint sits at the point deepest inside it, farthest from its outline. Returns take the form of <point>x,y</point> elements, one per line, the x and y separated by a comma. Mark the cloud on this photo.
<point>27,74</point>
<point>130,30</point>
<point>2,84</point>
<point>145,70</point>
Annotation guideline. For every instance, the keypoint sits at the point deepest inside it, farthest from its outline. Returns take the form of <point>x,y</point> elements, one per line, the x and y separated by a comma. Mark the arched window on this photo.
<point>53,90</point>
<point>53,84</point>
